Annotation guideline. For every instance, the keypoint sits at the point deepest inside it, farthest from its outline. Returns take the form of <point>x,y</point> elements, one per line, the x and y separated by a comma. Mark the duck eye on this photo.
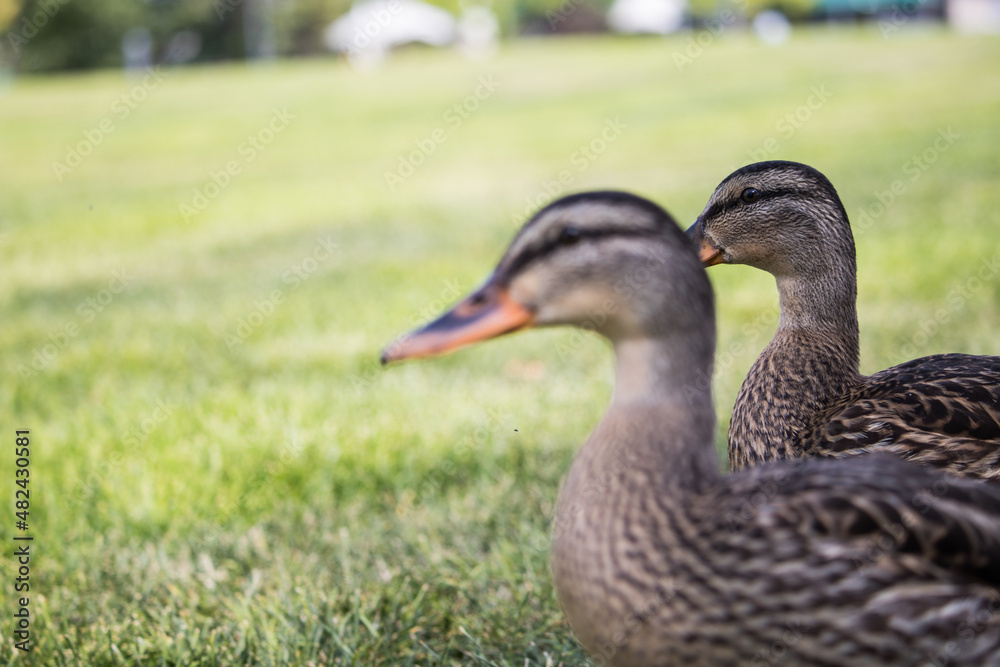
<point>750,195</point>
<point>569,236</point>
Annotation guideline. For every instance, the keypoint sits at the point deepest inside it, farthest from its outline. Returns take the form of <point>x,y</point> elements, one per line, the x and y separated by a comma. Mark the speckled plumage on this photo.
<point>659,560</point>
<point>857,562</point>
<point>805,395</point>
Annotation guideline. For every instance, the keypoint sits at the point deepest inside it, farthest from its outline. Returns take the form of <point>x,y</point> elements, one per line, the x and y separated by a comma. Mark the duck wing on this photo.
<point>952,525</point>
<point>942,411</point>
<point>870,560</point>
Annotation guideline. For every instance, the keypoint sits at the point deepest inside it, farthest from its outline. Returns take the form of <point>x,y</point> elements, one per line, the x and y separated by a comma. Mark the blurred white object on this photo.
<point>478,32</point>
<point>137,48</point>
<point>371,29</point>
<point>184,46</point>
<point>772,27</point>
<point>657,17</point>
<point>981,16</point>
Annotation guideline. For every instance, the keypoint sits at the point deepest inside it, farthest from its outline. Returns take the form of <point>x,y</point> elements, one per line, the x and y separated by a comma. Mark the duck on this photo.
<point>805,394</point>
<point>660,559</point>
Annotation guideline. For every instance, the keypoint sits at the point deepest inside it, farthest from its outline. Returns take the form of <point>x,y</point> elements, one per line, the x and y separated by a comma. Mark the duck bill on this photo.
<point>486,313</point>
<point>707,253</point>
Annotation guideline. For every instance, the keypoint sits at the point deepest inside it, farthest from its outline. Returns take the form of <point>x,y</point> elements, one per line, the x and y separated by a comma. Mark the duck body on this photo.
<point>659,560</point>
<point>800,563</point>
<point>800,399</point>
<point>805,395</point>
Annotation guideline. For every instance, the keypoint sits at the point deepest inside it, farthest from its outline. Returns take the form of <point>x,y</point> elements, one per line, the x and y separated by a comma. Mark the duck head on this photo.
<point>782,217</point>
<point>597,260</point>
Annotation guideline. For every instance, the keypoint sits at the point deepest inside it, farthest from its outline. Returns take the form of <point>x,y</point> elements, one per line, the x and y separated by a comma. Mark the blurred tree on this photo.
<point>44,35</point>
<point>793,9</point>
<point>8,11</point>
<point>706,10</point>
<point>299,24</point>
<point>78,34</point>
<point>50,35</point>
<point>549,16</point>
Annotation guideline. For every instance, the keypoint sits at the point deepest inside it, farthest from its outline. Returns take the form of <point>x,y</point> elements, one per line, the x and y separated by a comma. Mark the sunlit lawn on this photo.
<point>221,473</point>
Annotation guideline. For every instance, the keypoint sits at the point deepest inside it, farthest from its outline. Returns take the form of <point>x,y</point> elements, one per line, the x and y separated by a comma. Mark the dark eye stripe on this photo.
<point>553,245</point>
<point>714,210</point>
<point>718,207</point>
<point>782,192</point>
<point>569,235</point>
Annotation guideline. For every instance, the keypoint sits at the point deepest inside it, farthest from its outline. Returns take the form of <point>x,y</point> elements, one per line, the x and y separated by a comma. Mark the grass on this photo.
<point>221,473</point>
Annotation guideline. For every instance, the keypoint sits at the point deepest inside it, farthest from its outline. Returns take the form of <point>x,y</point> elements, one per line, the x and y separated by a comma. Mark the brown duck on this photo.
<point>805,395</point>
<point>657,558</point>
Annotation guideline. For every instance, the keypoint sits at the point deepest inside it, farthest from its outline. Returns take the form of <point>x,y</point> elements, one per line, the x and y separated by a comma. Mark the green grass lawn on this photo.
<point>222,474</point>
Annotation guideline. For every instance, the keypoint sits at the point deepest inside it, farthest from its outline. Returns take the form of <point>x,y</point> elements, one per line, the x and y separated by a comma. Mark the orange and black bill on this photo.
<point>707,253</point>
<point>486,313</point>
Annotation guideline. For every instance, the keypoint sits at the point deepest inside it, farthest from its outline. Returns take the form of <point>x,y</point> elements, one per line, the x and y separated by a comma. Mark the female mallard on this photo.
<point>805,396</point>
<point>660,560</point>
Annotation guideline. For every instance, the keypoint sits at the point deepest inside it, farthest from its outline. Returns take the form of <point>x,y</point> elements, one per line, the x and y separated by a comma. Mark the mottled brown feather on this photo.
<point>659,560</point>
<point>805,396</point>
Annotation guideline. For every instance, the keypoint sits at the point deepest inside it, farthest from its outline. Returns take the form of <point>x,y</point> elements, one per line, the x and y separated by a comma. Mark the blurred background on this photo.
<point>213,215</point>
<point>49,35</point>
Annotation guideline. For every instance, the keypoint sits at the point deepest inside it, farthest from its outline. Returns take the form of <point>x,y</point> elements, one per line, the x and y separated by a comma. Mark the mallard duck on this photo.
<point>660,560</point>
<point>805,395</point>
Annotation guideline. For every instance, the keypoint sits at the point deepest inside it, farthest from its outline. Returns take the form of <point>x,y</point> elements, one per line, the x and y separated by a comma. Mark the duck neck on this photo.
<point>648,456</point>
<point>822,304</point>
<point>663,401</point>
<point>812,359</point>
